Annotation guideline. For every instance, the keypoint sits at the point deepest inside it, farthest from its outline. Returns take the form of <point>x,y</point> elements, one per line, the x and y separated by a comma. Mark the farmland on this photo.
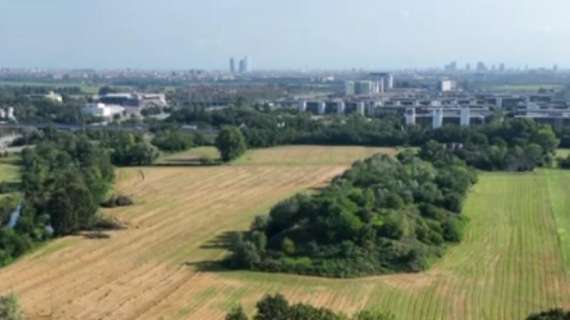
<point>514,258</point>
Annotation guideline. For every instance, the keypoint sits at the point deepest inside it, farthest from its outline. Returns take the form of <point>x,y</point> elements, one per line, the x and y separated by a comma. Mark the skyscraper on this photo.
<point>244,65</point>
<point>232,65</point>
<point>481,67</point>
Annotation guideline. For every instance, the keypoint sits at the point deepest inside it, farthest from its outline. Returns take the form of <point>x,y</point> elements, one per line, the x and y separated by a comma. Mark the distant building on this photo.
<point>481,67</point>
<point>101,110</point>
<point>349,88</point>
<point>468,67</point>
<point>367,87</point>
<point>51,96</point>
<point>244,65</point>
<point>134,100</point>
<point>451,67</point>
<point>385,81</point>
<point>232,65</point>
<point>447,85</point>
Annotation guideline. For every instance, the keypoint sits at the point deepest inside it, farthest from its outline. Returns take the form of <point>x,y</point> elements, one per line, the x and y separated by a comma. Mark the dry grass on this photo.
<point>509,264</point>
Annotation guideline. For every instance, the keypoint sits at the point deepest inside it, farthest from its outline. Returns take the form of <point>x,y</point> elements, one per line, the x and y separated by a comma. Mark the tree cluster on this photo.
<point>64,180</point>
<point>173,141</point>
<point>278,308</point>
<point>383,215</point>
<point>513,145</point>
<point>127,148</point>
<point>554,314</point>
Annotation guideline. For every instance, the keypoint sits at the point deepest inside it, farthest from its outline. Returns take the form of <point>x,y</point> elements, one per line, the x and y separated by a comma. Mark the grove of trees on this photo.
<point>278,308</point>
<point>384,215</point>
<point>64,179</point>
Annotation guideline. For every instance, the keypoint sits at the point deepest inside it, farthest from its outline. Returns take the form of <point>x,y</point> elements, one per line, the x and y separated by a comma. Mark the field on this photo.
<point>512,261</point>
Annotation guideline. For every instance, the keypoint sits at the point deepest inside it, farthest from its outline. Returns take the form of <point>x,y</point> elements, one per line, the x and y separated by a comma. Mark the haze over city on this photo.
<point>325,34</point>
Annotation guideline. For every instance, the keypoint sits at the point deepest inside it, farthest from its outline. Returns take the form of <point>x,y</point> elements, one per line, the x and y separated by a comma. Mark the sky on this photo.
<point>282,34</point>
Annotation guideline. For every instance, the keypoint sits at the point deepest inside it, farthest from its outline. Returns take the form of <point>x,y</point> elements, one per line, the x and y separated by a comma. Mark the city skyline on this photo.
<point>282,36</point>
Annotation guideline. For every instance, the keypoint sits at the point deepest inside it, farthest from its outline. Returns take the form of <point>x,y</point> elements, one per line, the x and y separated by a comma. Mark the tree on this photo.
<point>71,206</point>
<point>10,308</point>
<point>272,308</point>
<point>373,315</point>
<point>554,314</point>
<point>237,314</point>
<point>231,143</point>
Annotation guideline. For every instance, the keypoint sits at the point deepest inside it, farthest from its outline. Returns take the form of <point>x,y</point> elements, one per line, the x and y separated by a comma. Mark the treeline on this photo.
<point>64,180</point>
<point>278,308</point>
<point>29,109</point>
<point>384,215</point>
<point>554,314</point>
<point>513,144</point>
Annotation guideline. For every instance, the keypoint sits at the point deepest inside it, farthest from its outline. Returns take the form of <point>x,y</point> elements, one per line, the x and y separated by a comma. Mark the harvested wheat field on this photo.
<point>510,263</point>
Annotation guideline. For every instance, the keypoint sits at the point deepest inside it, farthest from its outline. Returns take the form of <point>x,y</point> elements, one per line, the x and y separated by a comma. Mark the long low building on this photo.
<point>102,110</point>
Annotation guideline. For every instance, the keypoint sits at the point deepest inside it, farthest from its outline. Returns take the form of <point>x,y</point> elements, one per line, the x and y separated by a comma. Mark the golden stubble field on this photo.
<point>148,271</point>
<point>509,264</point>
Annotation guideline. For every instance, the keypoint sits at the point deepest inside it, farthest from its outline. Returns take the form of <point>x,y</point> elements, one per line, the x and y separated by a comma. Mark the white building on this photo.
<point>52,96</point>
<point>447,85</point>
<point>101,110</point>
<point>349,88</point>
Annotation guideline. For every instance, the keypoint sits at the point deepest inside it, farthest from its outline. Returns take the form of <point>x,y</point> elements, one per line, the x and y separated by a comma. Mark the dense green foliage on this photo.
<point>278,308</point>
<point>564,162</point>
<point>514,144</point>
<point>383,215</point>
<point>64,179</point>
<point>10,308</point>
<point>231,143</point>
<point>172,140</point>
<point>29,107</point>
<point>127,149</point>
<point>555,314</point>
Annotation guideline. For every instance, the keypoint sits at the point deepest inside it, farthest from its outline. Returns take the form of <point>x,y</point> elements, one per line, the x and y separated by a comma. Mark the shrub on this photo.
<point>237,314</point>
<point>117,201</point>
<point>554,314</point>
<point>276,307</point>
<point>10,308</point>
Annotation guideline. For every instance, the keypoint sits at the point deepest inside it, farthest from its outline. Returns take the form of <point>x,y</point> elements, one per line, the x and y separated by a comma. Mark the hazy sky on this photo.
<point>284,34</point>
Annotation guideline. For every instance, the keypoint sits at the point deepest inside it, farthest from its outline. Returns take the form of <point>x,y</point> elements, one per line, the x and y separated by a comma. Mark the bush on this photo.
<point>108,223</point>
<point>564,163</point>
<point>276,307</point>
<point>117,201</point>
<point>554,314</point>
<point>10,308</point>
<point>236,314</point>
